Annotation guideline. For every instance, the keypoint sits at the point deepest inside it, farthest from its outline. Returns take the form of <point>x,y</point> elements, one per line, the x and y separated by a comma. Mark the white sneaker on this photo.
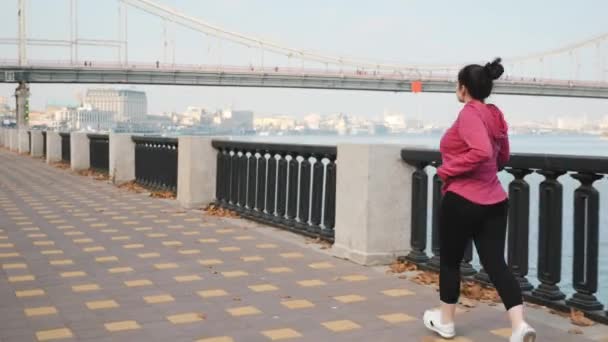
<point>524,333</point>
<point>432,321</point>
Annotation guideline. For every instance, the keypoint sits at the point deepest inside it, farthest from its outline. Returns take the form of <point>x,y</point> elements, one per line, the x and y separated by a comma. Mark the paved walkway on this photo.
<point>83,260</point>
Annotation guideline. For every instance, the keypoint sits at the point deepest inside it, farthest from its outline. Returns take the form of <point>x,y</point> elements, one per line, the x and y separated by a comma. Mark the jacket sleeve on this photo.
<point>474,133</point>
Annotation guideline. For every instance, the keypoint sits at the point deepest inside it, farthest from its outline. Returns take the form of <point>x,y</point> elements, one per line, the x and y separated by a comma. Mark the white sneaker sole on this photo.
<point>443,334</point>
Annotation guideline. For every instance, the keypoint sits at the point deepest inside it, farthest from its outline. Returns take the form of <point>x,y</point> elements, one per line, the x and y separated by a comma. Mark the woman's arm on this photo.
<point>474,132</point>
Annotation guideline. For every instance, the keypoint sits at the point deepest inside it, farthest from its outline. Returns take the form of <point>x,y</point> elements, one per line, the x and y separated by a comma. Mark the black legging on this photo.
<point>462,220</point>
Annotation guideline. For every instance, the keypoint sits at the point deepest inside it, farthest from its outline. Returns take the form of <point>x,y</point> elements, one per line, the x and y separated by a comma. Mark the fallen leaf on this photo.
<point>578,318</point>
<point>162,194</point>
<point>400,267</point>
<point>132,186</point>
<point>214,210</point>
<point>467,303</point>
<point>202,316</point>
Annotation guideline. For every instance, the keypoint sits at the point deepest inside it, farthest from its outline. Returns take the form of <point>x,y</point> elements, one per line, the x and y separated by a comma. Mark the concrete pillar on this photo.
<point>373,204</point>
<point>196,171</point>
<point>122,158</point>
<point>80,158</point>
<point>53,147</point>
<point>22,98</point>
<point>2,134</point>
<point>14,144</point>
<point>36,144</point>
<point>24,141</point>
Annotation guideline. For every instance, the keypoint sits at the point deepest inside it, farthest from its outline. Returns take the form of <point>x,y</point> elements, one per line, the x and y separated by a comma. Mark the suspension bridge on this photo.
<point>527,75</point>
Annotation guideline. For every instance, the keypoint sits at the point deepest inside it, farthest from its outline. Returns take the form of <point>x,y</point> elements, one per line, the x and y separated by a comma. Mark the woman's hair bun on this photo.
<point>494,69</point>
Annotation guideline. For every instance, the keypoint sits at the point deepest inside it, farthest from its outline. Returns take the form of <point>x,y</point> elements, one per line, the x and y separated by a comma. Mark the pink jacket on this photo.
<point>473,150</point>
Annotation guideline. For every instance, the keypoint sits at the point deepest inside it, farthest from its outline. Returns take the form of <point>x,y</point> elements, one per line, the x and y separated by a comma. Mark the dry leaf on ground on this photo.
<point>214,210</point>
<point>400,267</point>
<point>61,165</point>
<point>132,186</point>
<point>578,318</point>
<point>426,278</point>
<point>323,244</point>
<point>95,174</point>
<point>162,194</point>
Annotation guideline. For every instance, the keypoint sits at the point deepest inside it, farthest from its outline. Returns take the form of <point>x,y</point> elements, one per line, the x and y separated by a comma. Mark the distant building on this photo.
<point>274,123</point>
<point>395,122</point>
<point>312,121</point>
<point>84,118</point>
<point>234,120</point>
<point>127,105</point>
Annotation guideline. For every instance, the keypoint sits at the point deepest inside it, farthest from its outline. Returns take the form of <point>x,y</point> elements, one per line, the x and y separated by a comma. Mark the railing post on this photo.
<point>519,222</point>
<point>272,184</point>
<point>53,147</point>
<point>435,260</point>
<point>550,237</point>
<point>372,209</point>
<point>317,195</point>
<point>281,188</point>
<point>329,213</point>
<point>24,141</point>
<point>198,164</point>
<point>586,243</point>
<point>252,166</point>
<point>37,144</point>
<point>292,201</point>
<point>122,158</point>
<point>242,180</point>
<point>80,158</point>
<point>419,202</point>
<point>261,192</point>
<point>305,181</point>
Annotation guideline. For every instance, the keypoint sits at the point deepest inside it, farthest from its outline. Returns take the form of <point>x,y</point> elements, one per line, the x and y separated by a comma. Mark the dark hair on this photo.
<point>480,79</point>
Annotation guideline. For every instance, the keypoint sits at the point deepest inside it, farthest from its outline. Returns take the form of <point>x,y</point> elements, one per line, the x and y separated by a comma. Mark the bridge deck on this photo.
<point>83,260</point>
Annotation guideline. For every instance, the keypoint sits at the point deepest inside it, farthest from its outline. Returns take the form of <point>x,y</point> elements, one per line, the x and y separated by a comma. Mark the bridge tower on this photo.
<point>22,98</point>
<point>22,33</point>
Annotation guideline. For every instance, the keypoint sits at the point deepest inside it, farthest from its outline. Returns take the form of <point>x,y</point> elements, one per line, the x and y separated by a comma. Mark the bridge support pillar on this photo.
<point>122,158</point>
<point>24,141</point>
<point>22,95</point>
<point>36,144</point>
<point>80,158</point>
<point>373,204</point>
<point>53,147</point>
<point>196,171</point>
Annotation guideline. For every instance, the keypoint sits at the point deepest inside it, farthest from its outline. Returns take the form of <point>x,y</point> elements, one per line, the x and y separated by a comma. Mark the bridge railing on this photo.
<point>65,147</point>
<point>156,162</point>
<point>99,151</point>
<point>586,225</point>
<point>292,186</point>
<point>400,74</point>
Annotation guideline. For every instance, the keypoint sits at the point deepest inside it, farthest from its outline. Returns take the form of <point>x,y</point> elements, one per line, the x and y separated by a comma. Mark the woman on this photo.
<point>475,204</point>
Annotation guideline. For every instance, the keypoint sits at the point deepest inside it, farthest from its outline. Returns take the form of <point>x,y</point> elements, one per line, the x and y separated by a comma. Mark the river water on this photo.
<point>551,144</point>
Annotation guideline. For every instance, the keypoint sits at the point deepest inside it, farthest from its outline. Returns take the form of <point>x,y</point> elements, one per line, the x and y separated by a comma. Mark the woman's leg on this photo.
<point>490,243</point>
<point>457,217</point>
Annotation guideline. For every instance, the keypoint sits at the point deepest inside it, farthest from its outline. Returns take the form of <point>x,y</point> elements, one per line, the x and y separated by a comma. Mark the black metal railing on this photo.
<point>29,141</point>
<point>585,226</point>
<point>65,147</point>
<point>99,151</point>
<point>156,162</point>
<point>44,144</point>
<point>291,186</point>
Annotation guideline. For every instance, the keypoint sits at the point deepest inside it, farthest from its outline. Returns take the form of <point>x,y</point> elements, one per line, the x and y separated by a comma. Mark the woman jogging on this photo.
<point>475,205</point>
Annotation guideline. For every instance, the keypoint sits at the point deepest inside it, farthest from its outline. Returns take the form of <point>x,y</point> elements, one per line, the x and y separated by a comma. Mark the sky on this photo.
<point>404,31</point>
